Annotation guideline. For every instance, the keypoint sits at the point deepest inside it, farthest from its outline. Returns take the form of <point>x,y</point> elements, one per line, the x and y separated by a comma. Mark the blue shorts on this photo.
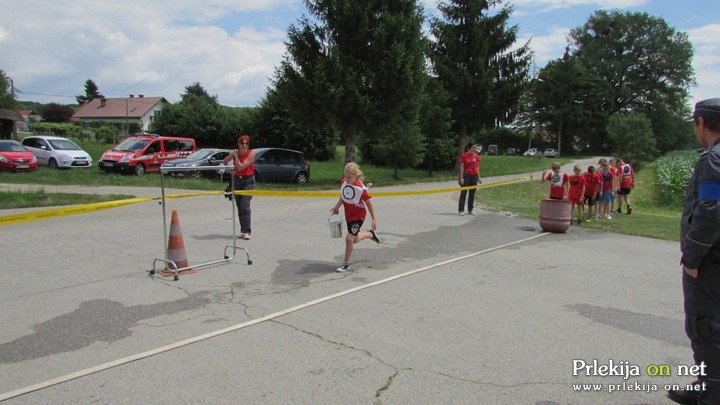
<point>606,196</point>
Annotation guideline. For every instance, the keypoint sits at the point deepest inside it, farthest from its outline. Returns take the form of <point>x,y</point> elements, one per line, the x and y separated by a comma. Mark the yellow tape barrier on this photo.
<point>62,212</point>
<point>86,208</point>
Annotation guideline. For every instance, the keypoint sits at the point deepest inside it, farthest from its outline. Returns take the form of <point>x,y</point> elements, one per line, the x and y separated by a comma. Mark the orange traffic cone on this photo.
<point>176,248</point>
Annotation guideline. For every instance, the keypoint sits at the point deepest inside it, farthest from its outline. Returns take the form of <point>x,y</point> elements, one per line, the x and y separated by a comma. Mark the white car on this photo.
<point>56,152</point>
<point>532,152</point>
<point>551,153</point>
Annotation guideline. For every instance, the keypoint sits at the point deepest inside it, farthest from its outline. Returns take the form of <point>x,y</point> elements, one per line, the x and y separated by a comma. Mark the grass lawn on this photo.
<point>27,199</point>
<point>647,219</point>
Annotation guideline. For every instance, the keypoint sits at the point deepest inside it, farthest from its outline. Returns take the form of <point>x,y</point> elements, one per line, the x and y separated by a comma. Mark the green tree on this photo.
<point>55,112</point>
<point>671,132</point>
<point>91,93</point>
<point>646,64</point>
<point>356,66</point>
<point>632,137</point>
<point>199,115</point>
<point>436,125</point>
<point>568,100</point>
<point>278,125</point>
<point>7,98</point>
<point>396,86</point>
<point>642,58</point>
<point>472,57</point>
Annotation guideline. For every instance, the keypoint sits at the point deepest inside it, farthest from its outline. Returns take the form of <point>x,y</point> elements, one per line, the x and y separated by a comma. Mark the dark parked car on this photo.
<point>203,157</point>
<point>512,151</point>
<point>278,164</point>
<point>493,150</point>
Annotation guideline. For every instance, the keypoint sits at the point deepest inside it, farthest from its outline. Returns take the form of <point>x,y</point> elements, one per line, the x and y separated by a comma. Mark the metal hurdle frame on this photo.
<point>171,264</point>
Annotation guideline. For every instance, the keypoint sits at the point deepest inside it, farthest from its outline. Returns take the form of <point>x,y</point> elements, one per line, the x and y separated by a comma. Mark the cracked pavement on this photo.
<point>501,326</point>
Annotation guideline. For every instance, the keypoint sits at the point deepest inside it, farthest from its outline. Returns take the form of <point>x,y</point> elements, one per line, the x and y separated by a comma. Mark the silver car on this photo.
<point>56,152</point>
<point>551,153</point>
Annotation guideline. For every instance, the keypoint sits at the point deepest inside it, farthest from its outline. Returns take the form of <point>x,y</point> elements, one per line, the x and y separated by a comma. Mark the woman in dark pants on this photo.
<point>243,179</point>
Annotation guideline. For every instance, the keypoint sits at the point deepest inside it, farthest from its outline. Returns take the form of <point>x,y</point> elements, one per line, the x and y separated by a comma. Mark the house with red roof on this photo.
<point>140,110</point>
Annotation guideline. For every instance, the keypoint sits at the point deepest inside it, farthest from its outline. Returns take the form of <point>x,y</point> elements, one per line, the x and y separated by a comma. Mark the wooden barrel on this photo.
<point>555,215</point>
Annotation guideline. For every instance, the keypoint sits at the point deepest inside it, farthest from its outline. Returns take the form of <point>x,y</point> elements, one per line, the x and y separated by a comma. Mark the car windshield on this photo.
<point>132,145</point>
<point>63,144</point>
<point>201,154</point>
<point>11,147</point>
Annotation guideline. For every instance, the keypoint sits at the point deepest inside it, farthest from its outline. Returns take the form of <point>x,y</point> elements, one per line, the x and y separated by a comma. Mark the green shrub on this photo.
<point>673,173</point>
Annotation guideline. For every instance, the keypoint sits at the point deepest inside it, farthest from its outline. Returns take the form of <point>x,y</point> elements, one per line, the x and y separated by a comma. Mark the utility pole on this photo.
<point>127,131</point>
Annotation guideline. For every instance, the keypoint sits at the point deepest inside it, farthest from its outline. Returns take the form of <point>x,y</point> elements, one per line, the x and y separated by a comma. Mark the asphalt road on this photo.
<point>447,309</point>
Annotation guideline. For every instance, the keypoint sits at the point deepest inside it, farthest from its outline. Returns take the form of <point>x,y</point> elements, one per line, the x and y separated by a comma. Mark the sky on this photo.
<point>232,47</point>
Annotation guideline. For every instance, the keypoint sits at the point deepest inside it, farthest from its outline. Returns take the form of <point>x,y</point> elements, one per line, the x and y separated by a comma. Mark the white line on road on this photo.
<point>186,342</point>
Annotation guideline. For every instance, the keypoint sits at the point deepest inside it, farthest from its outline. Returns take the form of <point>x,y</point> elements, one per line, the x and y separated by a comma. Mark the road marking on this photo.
<point>139,356</point>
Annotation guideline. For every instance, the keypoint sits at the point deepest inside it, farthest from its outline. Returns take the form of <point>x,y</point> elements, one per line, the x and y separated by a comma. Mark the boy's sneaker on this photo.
<point>246,236</point>
<point>629,210</point>
<point>461,213</point>
<point>374,237</point>
<point>343,268</point>
<point>471,213</point>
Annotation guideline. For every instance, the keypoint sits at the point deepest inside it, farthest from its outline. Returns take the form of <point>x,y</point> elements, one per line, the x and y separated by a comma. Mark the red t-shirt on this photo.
<point>576,187</point>
<point>591,182</point>
<point>557,183</point>
<point>248,171</point>
<point>626,171</point>
<point>470,161</point>
<point>353,197</point>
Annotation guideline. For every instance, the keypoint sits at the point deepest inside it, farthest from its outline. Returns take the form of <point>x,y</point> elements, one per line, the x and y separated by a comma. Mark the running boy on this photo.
<point>558,182</point>
<point>354,198</point>
<point>577,193</point>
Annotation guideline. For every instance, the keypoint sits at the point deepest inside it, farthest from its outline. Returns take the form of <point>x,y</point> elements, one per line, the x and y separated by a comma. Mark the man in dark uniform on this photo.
<point>700,247</point>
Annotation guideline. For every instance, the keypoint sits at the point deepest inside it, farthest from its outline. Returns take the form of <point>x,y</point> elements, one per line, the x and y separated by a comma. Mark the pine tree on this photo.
<point>91,93</point>
<point>355,65</point>
<point>472,57</point>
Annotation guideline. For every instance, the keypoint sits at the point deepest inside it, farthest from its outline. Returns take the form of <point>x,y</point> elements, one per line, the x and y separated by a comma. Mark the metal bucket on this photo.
<point>555,215</point>
<point>335,227</point>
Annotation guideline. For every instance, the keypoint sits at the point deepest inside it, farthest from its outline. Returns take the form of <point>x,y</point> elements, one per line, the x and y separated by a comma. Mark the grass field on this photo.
<point>648,219</point>
<point>28,199</point>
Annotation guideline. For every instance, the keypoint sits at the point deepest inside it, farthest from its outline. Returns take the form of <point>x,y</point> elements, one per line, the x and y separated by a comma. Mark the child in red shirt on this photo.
<point>354,198</point>
<point>626,181</point>
<point>592,190</point>
<point>576,193</point>
<point>607,190</point>
<point>558,182</point>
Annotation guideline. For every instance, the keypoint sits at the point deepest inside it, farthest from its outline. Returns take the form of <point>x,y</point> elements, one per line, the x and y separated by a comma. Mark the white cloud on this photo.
<point>548,47</point>
<point>155,48</point>
<point>706,61</point>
